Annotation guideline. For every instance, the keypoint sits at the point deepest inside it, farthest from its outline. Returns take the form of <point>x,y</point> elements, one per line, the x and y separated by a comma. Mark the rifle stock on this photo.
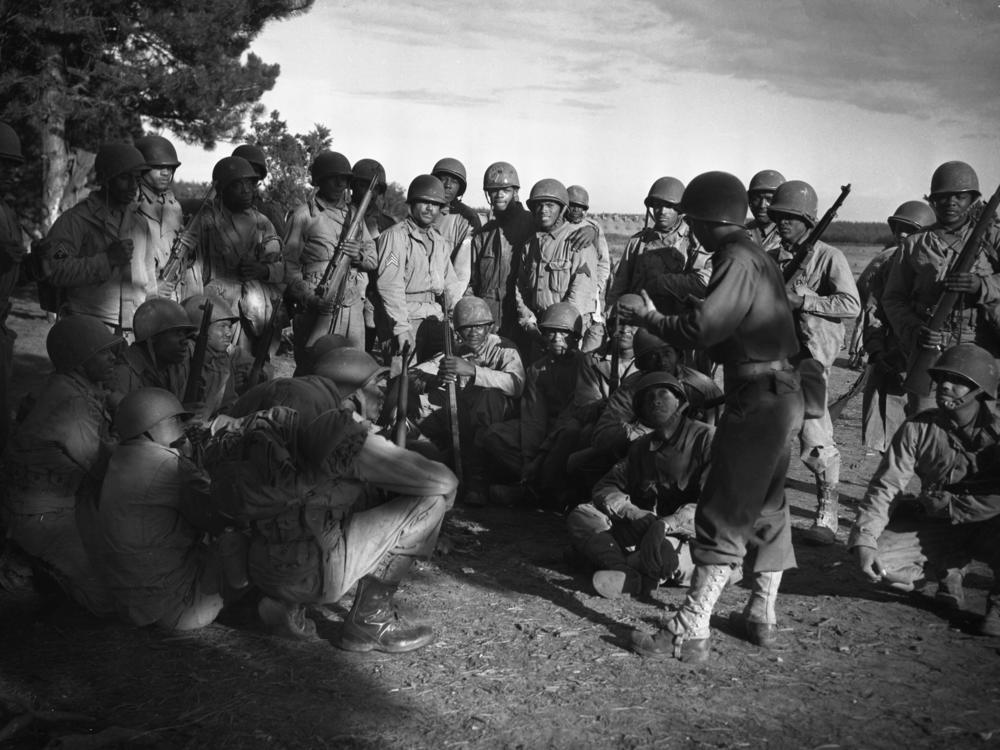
<point>333,278</point>
<point>403,397</point>
<point>193,387</point>
<point>263,346</point>
<point>918,381</point>
<point>183,243</point>
<point>456,445</point>
<point>802,249</point>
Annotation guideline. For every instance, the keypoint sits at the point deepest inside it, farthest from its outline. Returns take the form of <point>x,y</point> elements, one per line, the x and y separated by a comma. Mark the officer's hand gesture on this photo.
<point>120,253</point>
<point>869,563</point>
<point>963,283</point>
<point>631,311</point>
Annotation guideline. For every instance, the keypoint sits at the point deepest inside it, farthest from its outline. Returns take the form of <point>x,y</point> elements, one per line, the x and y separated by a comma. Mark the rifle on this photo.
<point>801,249</point>
<point>917,380</point>
<point>263,346</point>
<point>615,355</point>
<point>183,243</point>
<point>333,278</point>
<point>193,388</point>
<point>403,396</point>
<point>456,445</point>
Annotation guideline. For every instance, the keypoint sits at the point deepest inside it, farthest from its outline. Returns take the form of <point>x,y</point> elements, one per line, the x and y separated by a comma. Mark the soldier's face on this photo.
<point>575,213</point>
<point>790,228</point>
<point>951,392</point>
<point>122,188</point>
<point>332,188</point>
<point>664,214</point>
<point>501,198</point>
<point>220,335</point>
<point>374,397</point>
<point>99,367</point>
<point>558,343</point>
<point>901,230</point>
<point>424,213</point>
<point>473,336</point>
<point>238,194</point>
<point>158,178</point>
<point>171,347</point>
<point>546,213</point>
<point>660,406</point>
<point>952,208</point>
<point>625,338</point>
<point>452,186</point>
<point>664,359</point>
<point>760,201</point>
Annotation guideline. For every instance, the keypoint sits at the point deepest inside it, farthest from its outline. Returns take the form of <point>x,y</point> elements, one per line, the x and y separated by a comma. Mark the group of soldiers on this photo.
<point>162,471</point>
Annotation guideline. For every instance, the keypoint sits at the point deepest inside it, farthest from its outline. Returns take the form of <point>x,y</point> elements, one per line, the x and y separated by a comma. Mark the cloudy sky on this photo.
<point>612,95</point>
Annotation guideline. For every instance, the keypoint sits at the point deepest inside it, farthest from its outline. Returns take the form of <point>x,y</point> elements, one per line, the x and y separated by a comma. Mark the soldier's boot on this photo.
<point>686,636</point>
<point>990,624</point>
<point>824,528</point>
<point>613,577</point>
<point>951,589</point>
<point>758,619</point>
<point>285,619</point>
<point>374,624</point>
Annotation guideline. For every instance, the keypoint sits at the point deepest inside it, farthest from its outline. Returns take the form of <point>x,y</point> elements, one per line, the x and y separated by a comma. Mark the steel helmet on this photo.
<point>158,151</point>
<point>115,159</point>
<point>349,369</point>
<point>10,144</point>
<point>453,167</point>
<point>667,189</point>
<point>954,177</point>
<point>327,343</point>
<point>143,408</point>
<point>917,214</point>
<point>653,379</point>
<point>561,316</point>
<point>426,188</point>
<point>717,197</point>
<point>549,190</point>
<point>500,174</point>
<point>970,362</point>
<point>329,164</point>
<point>644,342</point>
<point>796,198</point>
<point>194,306</point>
<point>157,315</point>
<point>472,311</point>
<point>577,195</point>
<point>230,169</point>
<point>254,155</point>
<point>74,340</point>
<point>767,180</point>
<point>365,169</point>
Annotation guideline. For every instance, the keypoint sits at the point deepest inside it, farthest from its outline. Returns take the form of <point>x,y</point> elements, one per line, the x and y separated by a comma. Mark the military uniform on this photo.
<point>137,370</point>
<point>78,261</point>
<point>496,254</point>
<point>164,221</point>
<point>455,226</point>
<point>767,237</point>
<point>61,447</point>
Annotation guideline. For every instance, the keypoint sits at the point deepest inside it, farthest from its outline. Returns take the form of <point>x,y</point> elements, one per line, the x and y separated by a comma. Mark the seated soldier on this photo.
<point>161,354</point>
<point>618,424</point>
<point>490,379</point>
<point>146,535</point>
<point>955,452</point>
<point>60,449</point>
<point>642,513</point>
<point>330,504</point>
<point>227,369</point>
<point>560,387</point>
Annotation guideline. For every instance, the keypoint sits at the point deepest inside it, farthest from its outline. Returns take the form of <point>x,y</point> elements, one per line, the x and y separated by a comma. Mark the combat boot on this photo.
<point>373,624</point>
<point>991,622</point>
<point>758,621</point>
<point>824,528</point>
<point>613,577</point>
<point>686,636</point>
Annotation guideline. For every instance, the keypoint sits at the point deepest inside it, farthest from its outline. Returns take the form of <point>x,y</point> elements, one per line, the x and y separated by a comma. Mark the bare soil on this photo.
<point>526,655</point>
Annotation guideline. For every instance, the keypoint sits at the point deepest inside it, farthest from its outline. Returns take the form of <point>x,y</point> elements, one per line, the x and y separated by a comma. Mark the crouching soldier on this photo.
<point>331,505</point>
<point>61,448</point>
<point>161,354</point>
<point>645,505</point>
<point>955,452</point>
<point>490,379</point>
<point>146,535</point>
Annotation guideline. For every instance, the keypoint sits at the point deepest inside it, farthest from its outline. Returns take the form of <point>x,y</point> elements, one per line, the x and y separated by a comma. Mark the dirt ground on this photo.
<point>526,655</point>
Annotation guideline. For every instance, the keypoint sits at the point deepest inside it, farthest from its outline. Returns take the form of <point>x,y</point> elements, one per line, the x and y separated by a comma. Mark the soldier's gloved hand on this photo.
<point>351,248</point>
<point>452,367</point>
<point>632,312</point>
<point>581,238</point>
<point>251,270</point>
<point>929,339</point>
<point>963,283</point>
<point>869,563</point>
<point>13,249</point>
<point>120,253</point>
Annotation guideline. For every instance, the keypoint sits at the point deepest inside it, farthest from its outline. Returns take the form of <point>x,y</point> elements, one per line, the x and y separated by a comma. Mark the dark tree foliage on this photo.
<point>76,72</point>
